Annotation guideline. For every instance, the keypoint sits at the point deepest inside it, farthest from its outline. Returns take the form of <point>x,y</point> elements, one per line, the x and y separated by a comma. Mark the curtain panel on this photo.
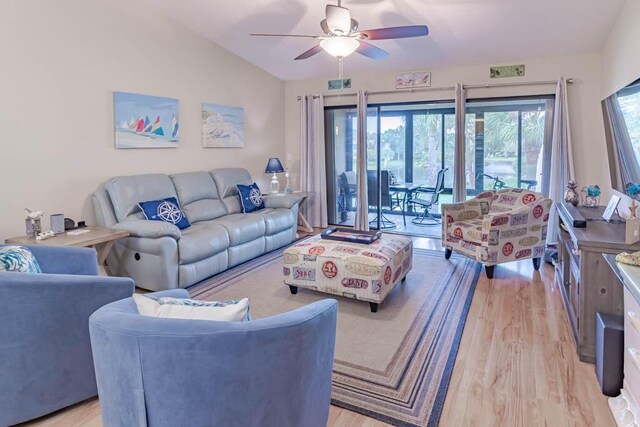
<point>561,156</point>
<point>459,167</point>
<point>312,159</point>
<point>623,164</point>
<point>362,206</point>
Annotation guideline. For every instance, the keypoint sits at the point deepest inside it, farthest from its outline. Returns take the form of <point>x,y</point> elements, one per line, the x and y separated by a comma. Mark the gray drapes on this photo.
<point>313,174</point>
<point>459,172</point>
<point>623,164</point>
<point>561,155</point>
<point>362,208</point>
<point>546,149</point>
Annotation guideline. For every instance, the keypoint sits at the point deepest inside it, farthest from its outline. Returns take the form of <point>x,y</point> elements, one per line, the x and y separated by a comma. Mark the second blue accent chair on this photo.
<point>157,372</point>
<point>45,352</point>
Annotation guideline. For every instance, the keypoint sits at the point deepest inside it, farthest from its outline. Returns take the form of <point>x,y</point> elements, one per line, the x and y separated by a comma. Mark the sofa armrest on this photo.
<point>45,352</point>
<point>65,259</point>
<point>149,229</point>
<point>281,201</point>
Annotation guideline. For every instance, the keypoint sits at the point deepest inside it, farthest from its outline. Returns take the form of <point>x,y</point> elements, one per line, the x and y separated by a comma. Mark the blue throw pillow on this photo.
<point>250,197</point>
<point>167,210</point>
<point>18,259</point>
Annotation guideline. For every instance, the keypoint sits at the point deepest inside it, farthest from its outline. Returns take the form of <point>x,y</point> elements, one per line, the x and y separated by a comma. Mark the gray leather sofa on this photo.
<point>159,256</point>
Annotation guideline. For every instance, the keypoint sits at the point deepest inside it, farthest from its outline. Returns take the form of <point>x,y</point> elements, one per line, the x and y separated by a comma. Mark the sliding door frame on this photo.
<point>409,115</point>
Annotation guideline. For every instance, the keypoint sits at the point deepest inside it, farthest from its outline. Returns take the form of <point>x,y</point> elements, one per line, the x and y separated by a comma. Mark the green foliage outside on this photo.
<point>500,147</point>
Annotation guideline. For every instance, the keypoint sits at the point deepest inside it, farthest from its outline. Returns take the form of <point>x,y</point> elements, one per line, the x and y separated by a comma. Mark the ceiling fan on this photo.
<point>342,37</point>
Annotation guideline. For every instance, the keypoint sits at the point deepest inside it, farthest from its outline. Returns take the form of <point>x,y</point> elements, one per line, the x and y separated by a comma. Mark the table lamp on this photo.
<point>274,166</point>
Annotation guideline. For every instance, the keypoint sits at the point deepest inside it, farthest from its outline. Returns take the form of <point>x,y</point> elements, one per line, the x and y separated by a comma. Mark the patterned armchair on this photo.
<point>497,227</point>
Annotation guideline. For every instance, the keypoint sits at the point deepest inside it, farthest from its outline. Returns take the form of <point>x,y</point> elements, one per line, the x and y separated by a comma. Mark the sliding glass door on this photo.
<point>341,132</point>
<point>506,142</point>
<point>506,145</point>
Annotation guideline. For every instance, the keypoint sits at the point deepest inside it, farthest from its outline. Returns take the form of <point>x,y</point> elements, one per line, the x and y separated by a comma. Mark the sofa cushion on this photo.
<point>276,220</point>
<point>184,308</point>
<point>242,228</point>
<point>127,191</point>
<point>250,197</point>
<point>469,230</point>
<point>226,180</point>
<point>18,259</point>
<point>165,210</point>
<point>198,196</point>
<point>201,241</point>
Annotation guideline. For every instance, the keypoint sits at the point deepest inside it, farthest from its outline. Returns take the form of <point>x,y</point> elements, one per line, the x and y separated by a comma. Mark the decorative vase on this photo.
<point>571,195</point>
<point>591,196</point>
<point>288,189</point>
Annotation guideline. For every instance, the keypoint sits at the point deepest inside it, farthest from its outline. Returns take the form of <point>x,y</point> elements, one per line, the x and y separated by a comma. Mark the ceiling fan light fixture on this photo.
<point>339,46</point>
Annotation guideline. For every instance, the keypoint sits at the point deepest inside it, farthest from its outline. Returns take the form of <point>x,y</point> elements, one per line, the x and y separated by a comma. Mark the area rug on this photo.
<point>393,365</point>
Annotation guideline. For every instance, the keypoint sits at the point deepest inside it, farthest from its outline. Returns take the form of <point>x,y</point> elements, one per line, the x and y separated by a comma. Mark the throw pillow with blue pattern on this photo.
<point>167,210</point>
<point>184,308</point>
<point>18,259</point>
<point>250,197</point>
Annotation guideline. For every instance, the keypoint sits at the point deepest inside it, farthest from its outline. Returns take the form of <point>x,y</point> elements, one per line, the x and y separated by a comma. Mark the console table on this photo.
<point>99,238</point>
<point>586,282</point>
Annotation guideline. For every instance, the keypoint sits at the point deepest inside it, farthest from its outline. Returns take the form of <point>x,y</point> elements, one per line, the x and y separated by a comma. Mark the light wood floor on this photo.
<point>516,366</point>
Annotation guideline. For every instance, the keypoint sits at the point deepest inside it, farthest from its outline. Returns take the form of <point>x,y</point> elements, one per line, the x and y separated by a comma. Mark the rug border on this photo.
<point>443,387</point>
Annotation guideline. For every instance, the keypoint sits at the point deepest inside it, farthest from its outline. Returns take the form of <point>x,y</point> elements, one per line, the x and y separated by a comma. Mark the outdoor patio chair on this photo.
<point>426,198</point>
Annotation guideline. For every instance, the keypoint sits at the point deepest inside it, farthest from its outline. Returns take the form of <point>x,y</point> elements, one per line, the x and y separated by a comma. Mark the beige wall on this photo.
<point>589,149</point>
<point>61,62</point>
<point>621,51</point>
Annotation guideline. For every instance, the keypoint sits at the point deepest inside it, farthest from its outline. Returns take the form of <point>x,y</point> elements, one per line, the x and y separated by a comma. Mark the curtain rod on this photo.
<point>432,89</point>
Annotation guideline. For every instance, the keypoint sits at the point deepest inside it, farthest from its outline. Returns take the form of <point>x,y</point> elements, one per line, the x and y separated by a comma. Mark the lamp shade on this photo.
<point>274,166</point>
<point>339,46</point>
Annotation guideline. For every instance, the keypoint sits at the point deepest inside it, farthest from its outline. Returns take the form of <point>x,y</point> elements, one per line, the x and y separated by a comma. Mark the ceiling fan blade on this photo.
<point>338,19</point>
<point>396,32</point>
<point>314,50</point>
<point>283,35</point>
<point>371,51</point>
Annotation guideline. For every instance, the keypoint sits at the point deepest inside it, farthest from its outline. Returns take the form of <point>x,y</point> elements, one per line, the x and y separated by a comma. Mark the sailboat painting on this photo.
<point>143,121</point>
<point>222,126</point>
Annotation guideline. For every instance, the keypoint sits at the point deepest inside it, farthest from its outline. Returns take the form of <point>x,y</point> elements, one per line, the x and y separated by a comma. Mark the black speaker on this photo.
<point>609,352</point>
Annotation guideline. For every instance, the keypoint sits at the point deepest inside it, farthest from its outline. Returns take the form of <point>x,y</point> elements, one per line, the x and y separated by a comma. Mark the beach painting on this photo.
<point>222,126</point>
<point>143,121</point>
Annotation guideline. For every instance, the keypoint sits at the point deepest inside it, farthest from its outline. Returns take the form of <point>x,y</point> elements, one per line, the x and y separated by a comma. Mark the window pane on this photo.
<point>427,148</point>
<point>509,138</point>
<point>393,146</point>
<point>473,131</point>
<point>449,148</point>
<point>533,127</point>
<point>341,145</point>
<point>630,105</point>
<point>501,148</point>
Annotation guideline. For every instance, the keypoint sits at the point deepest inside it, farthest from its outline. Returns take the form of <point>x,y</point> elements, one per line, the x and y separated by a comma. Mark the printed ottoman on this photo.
<point>352,270</point>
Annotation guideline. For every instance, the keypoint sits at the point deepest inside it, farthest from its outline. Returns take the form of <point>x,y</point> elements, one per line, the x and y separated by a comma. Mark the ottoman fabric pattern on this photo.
<point>363,272</point>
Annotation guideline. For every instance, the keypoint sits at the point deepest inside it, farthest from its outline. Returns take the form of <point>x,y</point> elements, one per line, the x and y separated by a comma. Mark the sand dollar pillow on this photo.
<point>18,259</point>
<point>183,308</point>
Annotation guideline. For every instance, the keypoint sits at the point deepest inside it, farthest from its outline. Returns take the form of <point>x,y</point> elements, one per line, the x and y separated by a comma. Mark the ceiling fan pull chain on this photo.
<point>340,68</point>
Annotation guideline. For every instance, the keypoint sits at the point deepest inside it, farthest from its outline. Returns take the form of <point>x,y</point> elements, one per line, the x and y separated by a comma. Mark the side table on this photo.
<point>99,238</point>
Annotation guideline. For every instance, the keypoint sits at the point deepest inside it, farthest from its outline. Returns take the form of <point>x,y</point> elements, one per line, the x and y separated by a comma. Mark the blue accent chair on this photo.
<point>274,371</point>
<point>45,351</point>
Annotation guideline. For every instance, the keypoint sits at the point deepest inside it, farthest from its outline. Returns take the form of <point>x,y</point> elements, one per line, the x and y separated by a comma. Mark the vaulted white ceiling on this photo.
<point>462,31</point>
